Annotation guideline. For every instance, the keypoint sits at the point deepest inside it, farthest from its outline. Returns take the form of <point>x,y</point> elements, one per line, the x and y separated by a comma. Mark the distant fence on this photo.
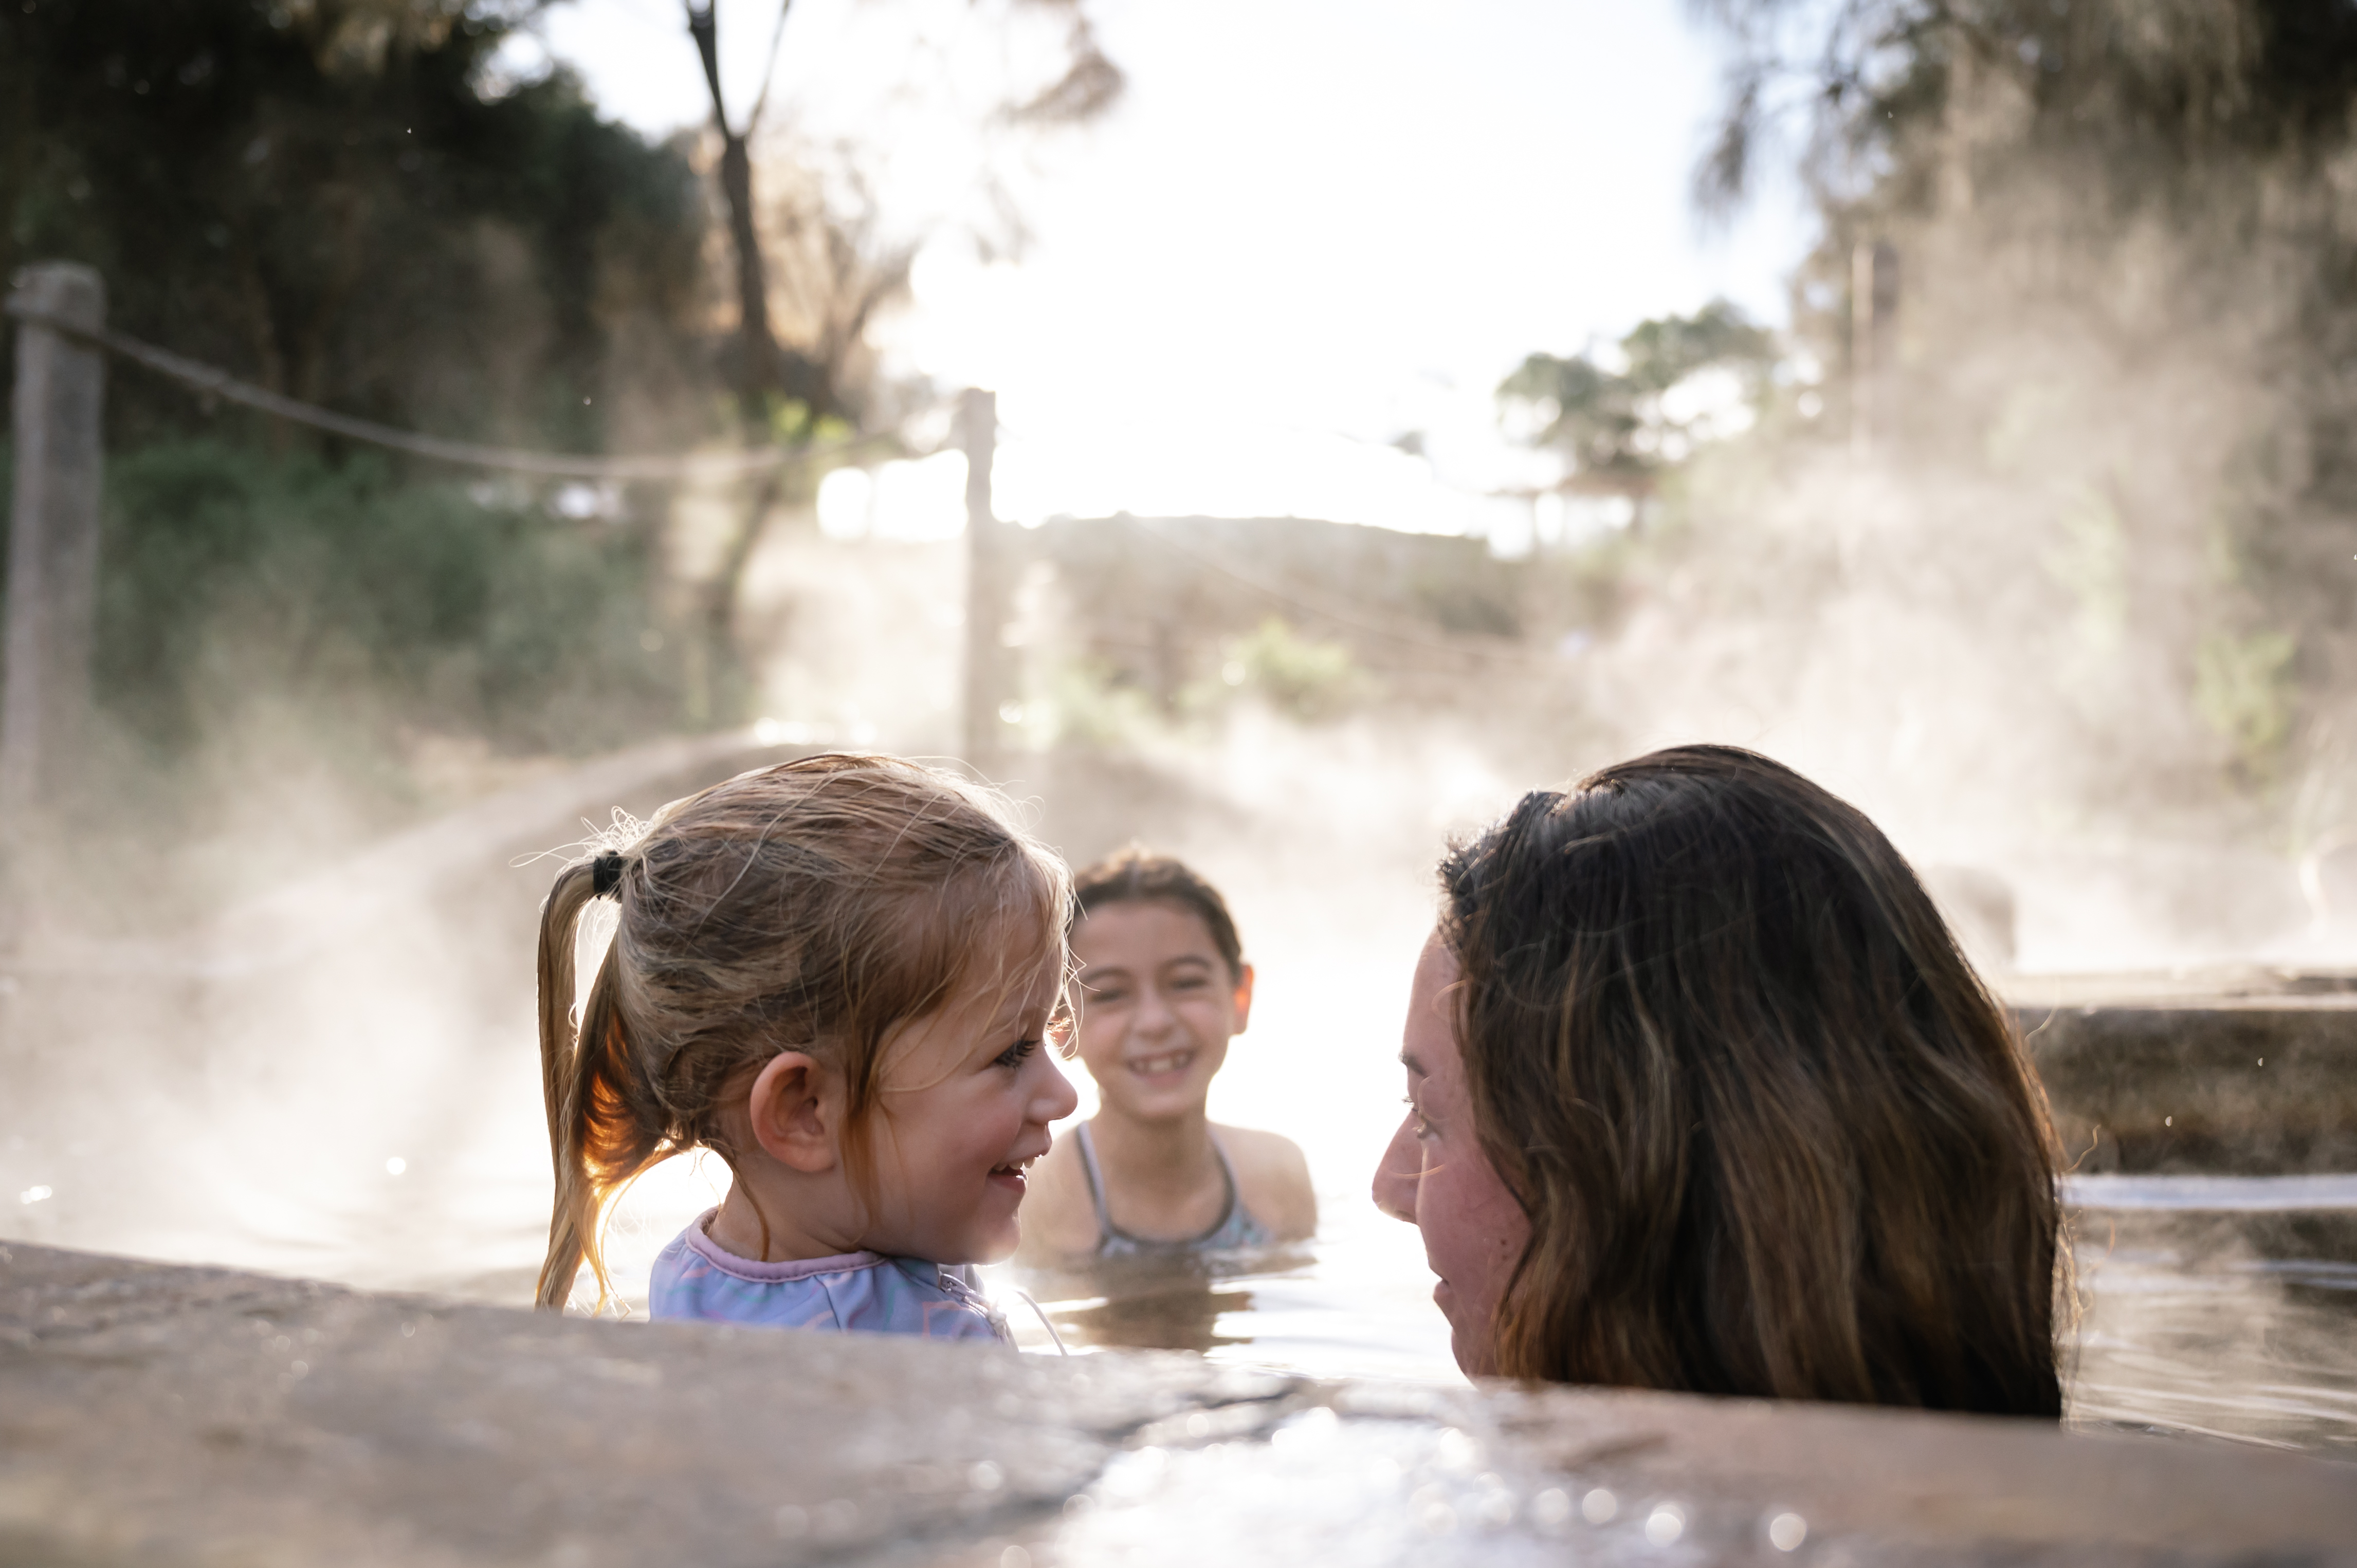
<point>67,309</point>
<point>53,531</point>
<point>62,341</point>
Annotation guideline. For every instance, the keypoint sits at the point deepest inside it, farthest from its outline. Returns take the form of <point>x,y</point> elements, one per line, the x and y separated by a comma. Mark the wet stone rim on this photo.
<point>151,1414</point>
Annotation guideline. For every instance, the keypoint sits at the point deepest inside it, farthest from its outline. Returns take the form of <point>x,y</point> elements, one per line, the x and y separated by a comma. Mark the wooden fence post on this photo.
<point>989,585</point>
<point>1873,345</point>
<point>52,537</point>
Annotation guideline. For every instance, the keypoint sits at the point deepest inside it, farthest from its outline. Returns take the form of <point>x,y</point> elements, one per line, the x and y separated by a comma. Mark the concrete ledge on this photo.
<point>153,1414</point>
<point>2226,1073</point>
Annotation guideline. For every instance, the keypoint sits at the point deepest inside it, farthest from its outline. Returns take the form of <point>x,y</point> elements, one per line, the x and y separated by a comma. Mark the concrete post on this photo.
<point>1873,344</point>
<point>989,585</point>
<point>52,536</point>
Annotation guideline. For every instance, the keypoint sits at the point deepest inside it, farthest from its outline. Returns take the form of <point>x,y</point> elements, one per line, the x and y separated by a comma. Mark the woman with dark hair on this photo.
<point>1703,1095</point>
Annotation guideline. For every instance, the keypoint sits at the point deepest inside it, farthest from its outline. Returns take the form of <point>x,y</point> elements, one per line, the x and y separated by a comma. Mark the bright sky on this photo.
<point>1305,229</point>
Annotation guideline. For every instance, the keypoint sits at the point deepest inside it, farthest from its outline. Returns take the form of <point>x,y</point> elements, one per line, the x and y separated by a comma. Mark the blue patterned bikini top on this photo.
<point>868,1292</point>
<point>1236,1227</point>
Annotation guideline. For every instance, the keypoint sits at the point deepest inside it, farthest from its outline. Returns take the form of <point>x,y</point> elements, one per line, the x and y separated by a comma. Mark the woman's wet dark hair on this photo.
<point>1773,1135</point>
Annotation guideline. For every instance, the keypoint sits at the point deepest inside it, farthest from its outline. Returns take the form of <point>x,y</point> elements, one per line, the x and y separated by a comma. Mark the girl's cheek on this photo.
<point>1206,1017</point>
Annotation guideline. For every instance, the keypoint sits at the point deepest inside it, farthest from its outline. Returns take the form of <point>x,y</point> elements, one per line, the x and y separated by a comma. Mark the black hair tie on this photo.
<point>606,874</point>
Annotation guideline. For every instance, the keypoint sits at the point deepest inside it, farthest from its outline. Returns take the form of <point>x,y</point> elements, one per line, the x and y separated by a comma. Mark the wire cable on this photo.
<point>216,383</point>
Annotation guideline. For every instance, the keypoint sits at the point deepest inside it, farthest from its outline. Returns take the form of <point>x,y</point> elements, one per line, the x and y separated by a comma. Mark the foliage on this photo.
<point>229,580</point>
<point>1088,704</point>
<point>2242,687</point>
<point>839,268</point>
<point>1626,422</point>
<point>1088,701</point>
<point>1305,678</point>
<point>341,200</point>
<point>2129,271</point>
<point>338,199</point>
<point>1870,89</point>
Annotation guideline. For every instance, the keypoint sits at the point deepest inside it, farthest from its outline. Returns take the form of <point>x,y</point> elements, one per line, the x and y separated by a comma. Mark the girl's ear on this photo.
<point>1243,998</point>
<point>796,1109</point>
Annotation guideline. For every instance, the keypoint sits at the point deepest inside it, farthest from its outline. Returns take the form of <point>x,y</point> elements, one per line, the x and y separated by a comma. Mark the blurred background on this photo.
<point>1395,407</point>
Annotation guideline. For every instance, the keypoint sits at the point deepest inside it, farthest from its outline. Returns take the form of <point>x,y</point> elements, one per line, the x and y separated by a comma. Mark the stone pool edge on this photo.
<point>159,1413</point>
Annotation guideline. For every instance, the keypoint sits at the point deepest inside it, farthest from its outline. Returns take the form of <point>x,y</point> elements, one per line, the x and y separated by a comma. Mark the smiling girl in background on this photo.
<point>1163,987</point>
<point>840,974</point>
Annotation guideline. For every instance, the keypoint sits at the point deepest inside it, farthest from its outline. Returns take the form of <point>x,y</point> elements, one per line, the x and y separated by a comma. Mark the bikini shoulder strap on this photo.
<point>1227,1169</point>
<point>1096,1181</point>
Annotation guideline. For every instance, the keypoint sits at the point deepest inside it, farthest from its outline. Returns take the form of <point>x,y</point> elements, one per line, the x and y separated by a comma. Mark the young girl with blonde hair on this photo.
<point>839,974</point>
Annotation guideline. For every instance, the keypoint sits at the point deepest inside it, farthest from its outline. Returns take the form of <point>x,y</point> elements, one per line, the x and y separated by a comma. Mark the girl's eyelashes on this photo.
<point>1015,1055</point>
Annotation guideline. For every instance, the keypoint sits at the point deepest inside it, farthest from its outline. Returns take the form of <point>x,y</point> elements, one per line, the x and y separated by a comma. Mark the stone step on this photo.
<point>158,1415</point>
<point>2222,1071</point>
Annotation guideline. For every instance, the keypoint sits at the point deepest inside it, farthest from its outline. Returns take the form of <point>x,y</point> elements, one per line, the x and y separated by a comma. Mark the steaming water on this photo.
<point>2209,1307</point>
<point>373,1116</point>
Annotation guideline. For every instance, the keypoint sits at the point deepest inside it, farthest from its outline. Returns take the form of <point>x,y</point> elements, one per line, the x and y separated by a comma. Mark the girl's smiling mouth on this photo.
<point>1011,1175</point>
<point>1168,1064</point>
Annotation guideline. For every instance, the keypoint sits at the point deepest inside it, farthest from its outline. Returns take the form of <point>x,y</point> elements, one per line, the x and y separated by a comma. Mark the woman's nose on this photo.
<point>1399,1172</point>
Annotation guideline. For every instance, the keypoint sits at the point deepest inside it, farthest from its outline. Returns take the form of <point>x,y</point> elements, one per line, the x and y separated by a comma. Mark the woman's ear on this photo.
<point>795,1105</point>
<point>1243,998</point>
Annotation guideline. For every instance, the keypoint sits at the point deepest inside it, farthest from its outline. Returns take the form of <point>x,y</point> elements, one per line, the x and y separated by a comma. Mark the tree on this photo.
<point>808,375</point>
<point>1873,94</point>
<point>334,198</point>
<point>2132,290</point>
<point>339,200</point>
<point>822,244</point>
<point>1624,424</point>
<point>758,368</point>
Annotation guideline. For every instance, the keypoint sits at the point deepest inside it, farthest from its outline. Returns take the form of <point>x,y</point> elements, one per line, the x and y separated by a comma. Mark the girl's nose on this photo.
<point>1399,1173</point>
<point>1152,1016</point>
<point>1054,1099</point>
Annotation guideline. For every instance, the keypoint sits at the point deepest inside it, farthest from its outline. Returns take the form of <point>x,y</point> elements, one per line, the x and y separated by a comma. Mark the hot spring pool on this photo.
<point>2237,1319</point>
<point>2223,1323</point>
<point>2238,1324</point>
<point>2230,1324</point>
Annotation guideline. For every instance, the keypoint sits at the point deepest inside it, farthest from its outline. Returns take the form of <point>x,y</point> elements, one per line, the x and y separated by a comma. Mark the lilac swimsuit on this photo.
<point>864,1292</point>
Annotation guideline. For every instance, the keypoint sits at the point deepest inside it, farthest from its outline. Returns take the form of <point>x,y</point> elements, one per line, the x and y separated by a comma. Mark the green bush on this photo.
<point>228,579</point>
<point>1306,678</point>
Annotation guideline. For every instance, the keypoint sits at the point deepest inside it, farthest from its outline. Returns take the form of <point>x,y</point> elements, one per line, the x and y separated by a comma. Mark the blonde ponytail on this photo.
<point>599,1136</point>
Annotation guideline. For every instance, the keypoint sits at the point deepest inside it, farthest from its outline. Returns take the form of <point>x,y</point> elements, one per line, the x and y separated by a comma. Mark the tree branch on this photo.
<point>705,29</point>
<point>769,71</point>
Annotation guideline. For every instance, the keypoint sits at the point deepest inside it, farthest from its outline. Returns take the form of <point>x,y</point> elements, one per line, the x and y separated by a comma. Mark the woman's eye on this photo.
<point>1015,1055</point>
<point>1416,1123</point>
